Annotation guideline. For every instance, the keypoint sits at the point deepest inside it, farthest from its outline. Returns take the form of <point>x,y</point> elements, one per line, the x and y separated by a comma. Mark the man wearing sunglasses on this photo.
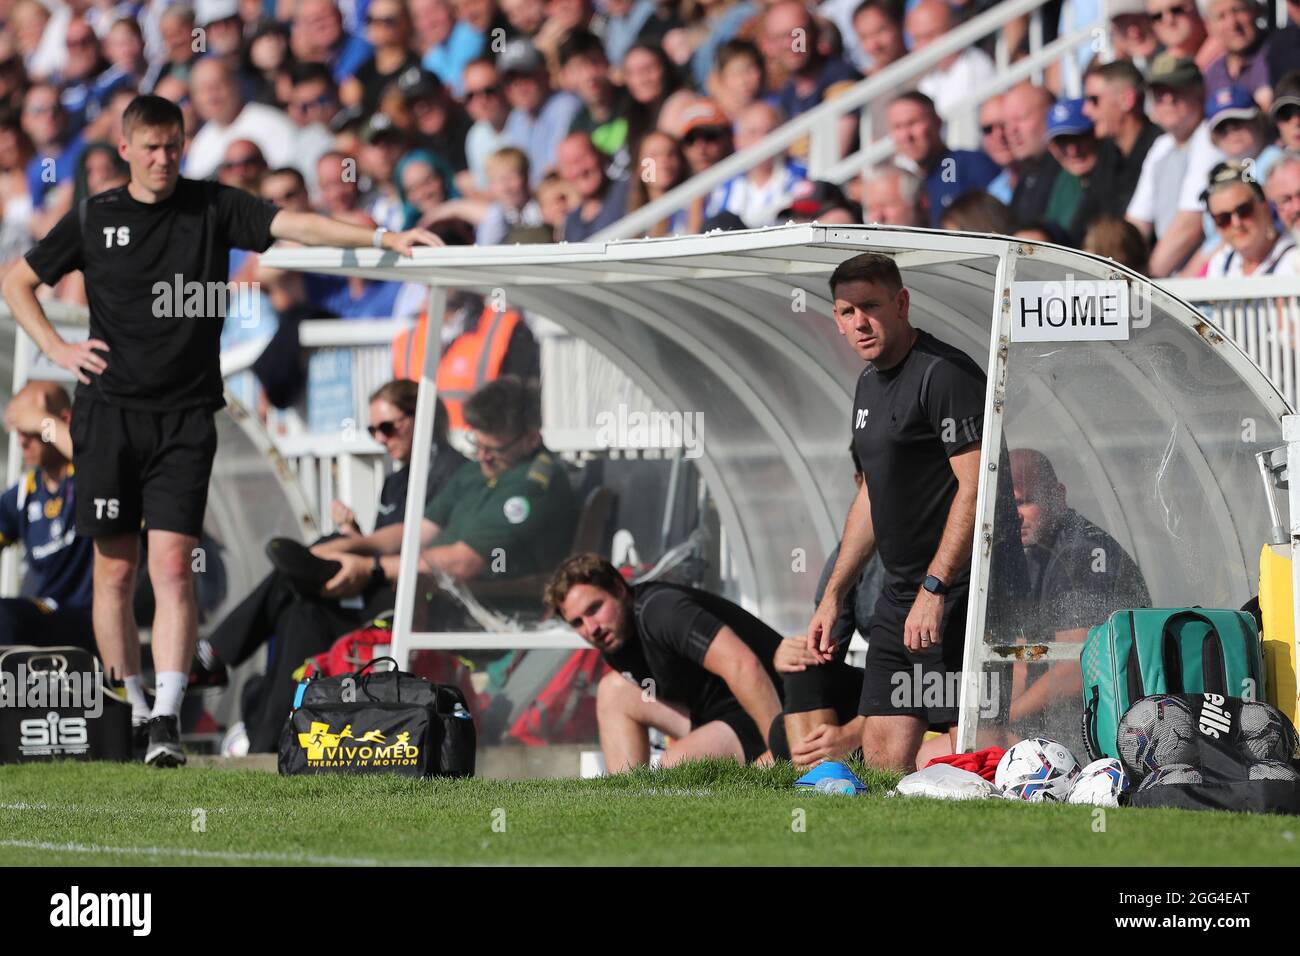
<point>1114,98</point>
<point>1178,26</point>
<point>486,104</point>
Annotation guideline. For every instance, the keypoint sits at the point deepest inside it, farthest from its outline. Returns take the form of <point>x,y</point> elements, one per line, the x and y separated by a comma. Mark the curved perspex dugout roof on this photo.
<point>1152,435</point>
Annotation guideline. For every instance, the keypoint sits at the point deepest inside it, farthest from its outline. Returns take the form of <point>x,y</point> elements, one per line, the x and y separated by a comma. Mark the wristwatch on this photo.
<point>378,240</point>
<point>934,585</point>
<point>377,575</point>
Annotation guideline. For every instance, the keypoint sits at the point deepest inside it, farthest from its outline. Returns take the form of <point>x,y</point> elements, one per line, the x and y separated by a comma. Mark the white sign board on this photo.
<point>1070,310</point>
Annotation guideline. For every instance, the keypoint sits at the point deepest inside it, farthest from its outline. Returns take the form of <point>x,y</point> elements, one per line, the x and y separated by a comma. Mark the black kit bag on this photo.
<point>378,722</point>
<point>55,705</point>
<point>1216,753</point>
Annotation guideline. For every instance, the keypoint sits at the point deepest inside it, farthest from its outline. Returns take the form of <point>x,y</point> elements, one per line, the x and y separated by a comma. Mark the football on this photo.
<point>1171,773</point>
<point>1265,734</point>
<point>1155,732</point>
<point>1273,770</point>
<point>1100,784</point>
<point>1038,770</point>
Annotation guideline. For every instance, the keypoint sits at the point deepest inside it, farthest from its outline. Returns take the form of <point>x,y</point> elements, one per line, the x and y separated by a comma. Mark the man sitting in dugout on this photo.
<point>509,514</point>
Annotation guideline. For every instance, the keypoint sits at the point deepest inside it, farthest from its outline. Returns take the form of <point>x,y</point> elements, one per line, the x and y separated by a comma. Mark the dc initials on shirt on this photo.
<point>860,420</point>
<point>122,235</point>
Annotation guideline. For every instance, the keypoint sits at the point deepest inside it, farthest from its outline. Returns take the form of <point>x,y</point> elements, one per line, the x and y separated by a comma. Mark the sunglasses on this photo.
<point>1244,212</point>
<point>241,161</point>
<point>988,129</point>
<point>284,197</point>
<point>485,91</point>
<point>1174,13</point>
<point>387,429</point>
<point>382,21</point>
<point>323,100</point>
<point>705,134</point>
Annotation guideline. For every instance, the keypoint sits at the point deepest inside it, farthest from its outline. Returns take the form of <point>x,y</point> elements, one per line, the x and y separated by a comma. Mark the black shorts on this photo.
<point>135,466</point>
<point>751,738</point>
<point>892,684</point>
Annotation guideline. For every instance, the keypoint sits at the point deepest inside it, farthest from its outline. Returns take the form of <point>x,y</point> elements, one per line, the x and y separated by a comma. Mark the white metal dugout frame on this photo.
<point>1154,436</point>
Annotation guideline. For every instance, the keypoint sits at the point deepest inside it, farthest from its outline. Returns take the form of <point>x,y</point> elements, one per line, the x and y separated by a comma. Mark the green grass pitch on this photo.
<point>711,813</point>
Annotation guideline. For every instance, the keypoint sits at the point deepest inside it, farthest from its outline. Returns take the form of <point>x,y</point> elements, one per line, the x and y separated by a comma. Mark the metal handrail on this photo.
<point>821,121</point>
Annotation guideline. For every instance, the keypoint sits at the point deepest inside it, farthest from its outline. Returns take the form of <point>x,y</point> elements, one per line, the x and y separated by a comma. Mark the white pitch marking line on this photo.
<point>259,856</point>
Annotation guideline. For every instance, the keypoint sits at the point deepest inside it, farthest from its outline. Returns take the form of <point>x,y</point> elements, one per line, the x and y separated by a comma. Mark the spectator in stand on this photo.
<point>650,78</point>
<point>383,145</point>
<point>605,107</point>
<point>388,30</point>
<point>892,196</point>
<point>243,166</point>
<point>124,50</point>
<point>623,22</point>
<point>978,212</point>
<point>103,14</point>
<point>1025,111</point>
<point>1284,46</point>
<point>789,35</point>
<point>15,200</point>
<point>486,104</point>
<point>1132,34</point>
<point>226,119</point>
<point>317,36</point>
<point>759,194</point>
<point>1285,111</point>
<point>879,33</point>
<point>721,21</point>
<point>556,198</point>
<point>915,128</point>
<point>1252,245</point>
<point>1283,189</point>
<point>1244,62</point>
<point>1073,144</point>
<point>602,201</point>
<point>420,187</point>
<point>441,125</point>
<point>993,140</point>
<point>660,166</point>
<point>222,29</point>
<point>338,192</point>
<point>446,44</point>
<point>738,79</point>
<point>1117,239</point>
<point>27,21</point>
<point>539,118</point>
<point>1178,26</point>
<point>524,17</point>
<point>176,26</point>
<point>83,76</point>
<point>13,78</point>
<point>313,102</point>
<point>1115,94</point>
<point>267,66</point>
<point>1240,131</point>
<point>50,172</point>
<point>511,206</point>
<point>955,78</point>
<point>706,136</point>
<point>1166,204</point>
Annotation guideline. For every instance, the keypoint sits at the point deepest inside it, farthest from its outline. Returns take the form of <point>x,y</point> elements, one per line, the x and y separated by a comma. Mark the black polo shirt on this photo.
<point>1113,181</point>
<point>152,272</point>
<point>907,421</point>
<point>673,628</point>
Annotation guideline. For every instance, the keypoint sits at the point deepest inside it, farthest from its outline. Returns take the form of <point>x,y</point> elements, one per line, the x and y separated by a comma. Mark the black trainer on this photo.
<point>164,743</point>
<point>140,739</point>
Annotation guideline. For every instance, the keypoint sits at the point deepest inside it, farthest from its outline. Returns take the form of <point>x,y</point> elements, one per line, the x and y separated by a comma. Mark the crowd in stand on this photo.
<point>505,121</point>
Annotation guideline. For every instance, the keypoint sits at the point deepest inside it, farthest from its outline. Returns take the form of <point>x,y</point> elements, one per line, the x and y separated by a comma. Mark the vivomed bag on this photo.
<point>1164,650</point>
<point>378,722</point>
<point>1229,754</point>
<point>54,705</point>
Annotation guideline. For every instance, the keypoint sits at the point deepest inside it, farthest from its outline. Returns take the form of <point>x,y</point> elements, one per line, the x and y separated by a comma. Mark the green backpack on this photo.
<point>1164,651</point>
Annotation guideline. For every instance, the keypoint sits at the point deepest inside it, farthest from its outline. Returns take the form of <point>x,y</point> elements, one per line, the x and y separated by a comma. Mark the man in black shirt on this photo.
<point>686,662</point>
<point>155,255</point>
<point>918,417</point>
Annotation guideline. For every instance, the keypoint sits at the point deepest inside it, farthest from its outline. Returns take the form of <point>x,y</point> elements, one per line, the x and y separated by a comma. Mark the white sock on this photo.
<point>168,691</point>
<point>139,703</point>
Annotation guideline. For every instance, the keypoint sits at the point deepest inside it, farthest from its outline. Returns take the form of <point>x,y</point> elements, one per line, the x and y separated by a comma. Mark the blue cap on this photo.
<point>1230,102</point>
<point>1066,118</point>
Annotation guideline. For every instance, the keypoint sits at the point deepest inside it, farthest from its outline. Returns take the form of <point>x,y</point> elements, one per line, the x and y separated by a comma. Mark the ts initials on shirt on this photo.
<point>116,235</point>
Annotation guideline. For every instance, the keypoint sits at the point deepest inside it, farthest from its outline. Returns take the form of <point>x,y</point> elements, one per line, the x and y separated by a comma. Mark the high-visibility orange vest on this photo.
<point>473,360</point>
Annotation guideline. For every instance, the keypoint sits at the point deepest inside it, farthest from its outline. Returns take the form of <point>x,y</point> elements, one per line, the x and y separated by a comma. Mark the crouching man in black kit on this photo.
<point>686,662</point>
<point>917,424</point>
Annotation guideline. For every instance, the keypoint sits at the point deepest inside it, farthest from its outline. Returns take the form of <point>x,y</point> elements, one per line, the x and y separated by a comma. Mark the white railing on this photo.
<point>1260,313</point>
<point>821,124</point>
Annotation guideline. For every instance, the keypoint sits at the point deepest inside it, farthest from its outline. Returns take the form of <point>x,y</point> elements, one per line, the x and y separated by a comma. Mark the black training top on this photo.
<point>152,272</point>
<point>673,628</point>
<point>907,421</point>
